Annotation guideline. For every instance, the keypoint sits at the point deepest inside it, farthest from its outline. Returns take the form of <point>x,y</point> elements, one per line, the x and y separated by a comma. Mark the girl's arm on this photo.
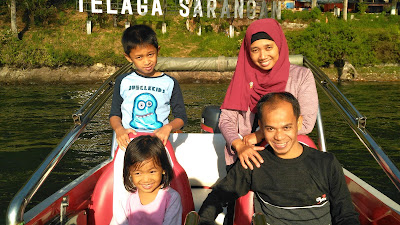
<point>173,214</point>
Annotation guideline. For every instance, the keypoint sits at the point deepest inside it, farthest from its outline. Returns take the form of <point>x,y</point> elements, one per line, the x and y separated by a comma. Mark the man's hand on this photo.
<point>248,154</point>
<point>123,137</point>
<point>163,133</point>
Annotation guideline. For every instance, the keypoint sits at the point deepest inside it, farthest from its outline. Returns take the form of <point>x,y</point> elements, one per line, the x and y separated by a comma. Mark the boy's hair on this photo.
<point>273,98</point>
<point>143,148</point>
<point>138,35</point>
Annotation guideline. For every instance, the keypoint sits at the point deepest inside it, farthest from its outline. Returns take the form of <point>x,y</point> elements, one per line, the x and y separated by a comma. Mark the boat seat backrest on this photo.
<point>101,209</point>
<point>244,207</point>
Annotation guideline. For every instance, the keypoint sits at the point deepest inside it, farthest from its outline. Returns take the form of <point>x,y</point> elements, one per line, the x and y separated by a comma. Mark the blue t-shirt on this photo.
<point>144,103</point>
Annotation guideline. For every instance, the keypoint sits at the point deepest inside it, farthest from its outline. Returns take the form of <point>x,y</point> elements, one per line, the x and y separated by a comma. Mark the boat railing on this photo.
<point>81,118</point>
<point>355,120</point>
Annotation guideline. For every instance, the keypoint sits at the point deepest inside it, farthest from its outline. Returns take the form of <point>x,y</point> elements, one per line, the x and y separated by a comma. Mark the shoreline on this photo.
<point>98,73</point>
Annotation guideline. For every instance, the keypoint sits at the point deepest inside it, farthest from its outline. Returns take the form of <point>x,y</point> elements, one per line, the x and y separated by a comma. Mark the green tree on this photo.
<point>40,11</point>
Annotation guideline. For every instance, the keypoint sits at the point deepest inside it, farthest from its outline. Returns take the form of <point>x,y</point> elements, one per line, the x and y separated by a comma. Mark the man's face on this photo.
<point>280,128</point>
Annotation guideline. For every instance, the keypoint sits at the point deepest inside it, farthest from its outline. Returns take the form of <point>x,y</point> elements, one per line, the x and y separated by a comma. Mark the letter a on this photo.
<point>126,5</point>
<point>156,8</point>
<point>225,9</point>
<point>197,9</point>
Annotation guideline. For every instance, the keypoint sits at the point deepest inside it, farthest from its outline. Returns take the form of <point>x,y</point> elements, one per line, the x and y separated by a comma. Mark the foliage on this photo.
<point>329,43</point>
<point>305,15</point>
<point>99,19</point>
<point>367,39</point>
<point>323,43</point>
<point>362,7</point>
<point>386,46</point>
<point>40,11</point>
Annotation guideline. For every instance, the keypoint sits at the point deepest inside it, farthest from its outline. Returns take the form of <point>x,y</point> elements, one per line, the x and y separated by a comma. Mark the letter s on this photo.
<point>185,11</point>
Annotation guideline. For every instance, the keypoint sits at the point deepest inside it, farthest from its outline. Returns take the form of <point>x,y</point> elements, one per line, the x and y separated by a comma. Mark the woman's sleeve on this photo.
<point>308,100</point>
<point>228,125</point>
<point>173,214</point>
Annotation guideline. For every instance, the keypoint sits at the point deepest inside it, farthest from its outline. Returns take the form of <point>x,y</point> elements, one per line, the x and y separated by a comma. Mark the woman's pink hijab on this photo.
<point>249,83</point>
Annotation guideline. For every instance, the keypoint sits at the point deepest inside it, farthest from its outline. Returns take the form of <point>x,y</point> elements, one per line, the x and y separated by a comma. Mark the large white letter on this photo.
<point>225,9</point>
<point>94,3</point>
<point>80,5</point>
<point>197,9</point>
<point>263,10</point>
<point>184,12</point>
<point>211,9</point>
<point>140,7</point>
<point>109,9</point>
<point>239,8</point>
<point>251,10</point>
<point>156,8</point>
<point>126,5</point>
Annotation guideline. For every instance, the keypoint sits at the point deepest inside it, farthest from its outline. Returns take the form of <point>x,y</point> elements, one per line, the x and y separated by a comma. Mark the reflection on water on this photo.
<point>33,120</point>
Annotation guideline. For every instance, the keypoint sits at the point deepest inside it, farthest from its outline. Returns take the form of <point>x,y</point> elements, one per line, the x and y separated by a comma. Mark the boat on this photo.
<point>88,199</point>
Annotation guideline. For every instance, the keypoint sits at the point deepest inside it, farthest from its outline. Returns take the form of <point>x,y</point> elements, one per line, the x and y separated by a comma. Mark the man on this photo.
<point>296,184</point>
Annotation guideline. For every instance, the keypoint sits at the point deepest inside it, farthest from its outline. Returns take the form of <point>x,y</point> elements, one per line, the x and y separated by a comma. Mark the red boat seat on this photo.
<point>101,208</point>
<point>244,207</point>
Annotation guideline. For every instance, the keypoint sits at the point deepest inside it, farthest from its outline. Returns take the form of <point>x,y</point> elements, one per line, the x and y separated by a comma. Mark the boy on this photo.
<point>142,99</point>
<point>296,184</point>
<point>141,103</point>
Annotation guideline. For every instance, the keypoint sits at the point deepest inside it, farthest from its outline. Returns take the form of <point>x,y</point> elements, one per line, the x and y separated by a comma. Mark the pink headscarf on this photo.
<point>249,83</point>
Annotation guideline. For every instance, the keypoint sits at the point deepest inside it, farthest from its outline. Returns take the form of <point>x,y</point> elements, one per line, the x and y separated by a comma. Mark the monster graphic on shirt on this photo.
<point>144,113</point>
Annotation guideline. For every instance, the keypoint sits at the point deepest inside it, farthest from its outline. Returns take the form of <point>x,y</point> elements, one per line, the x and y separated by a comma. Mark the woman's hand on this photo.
<point>248,154</point>
<point>253,138</point>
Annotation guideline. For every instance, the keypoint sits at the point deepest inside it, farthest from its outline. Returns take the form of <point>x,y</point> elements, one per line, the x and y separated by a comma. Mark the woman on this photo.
<point>262,67</point>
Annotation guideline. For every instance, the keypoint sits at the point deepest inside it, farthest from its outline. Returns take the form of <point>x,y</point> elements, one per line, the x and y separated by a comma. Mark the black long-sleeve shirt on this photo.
<point>309,189</point>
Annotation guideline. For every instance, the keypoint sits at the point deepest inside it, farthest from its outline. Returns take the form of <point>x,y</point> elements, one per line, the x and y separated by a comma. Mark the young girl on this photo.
<point>147,174</point>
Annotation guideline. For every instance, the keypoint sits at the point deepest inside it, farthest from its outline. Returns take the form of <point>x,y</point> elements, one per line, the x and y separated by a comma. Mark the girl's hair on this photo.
<point>141,149</point>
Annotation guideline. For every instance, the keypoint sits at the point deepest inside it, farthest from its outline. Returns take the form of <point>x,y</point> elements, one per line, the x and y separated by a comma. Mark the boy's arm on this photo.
<point>342,208</point>
<point>178,111</point>
<point>236,184</point>
<point>121,133</point>
<point>177,105</point>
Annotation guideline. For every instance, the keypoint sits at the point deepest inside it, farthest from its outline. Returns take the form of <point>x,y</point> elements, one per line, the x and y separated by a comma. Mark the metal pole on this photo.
<point>321,134</point>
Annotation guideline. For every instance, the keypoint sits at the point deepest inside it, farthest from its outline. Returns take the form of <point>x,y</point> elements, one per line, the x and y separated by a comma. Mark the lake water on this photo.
<point>34,118</point>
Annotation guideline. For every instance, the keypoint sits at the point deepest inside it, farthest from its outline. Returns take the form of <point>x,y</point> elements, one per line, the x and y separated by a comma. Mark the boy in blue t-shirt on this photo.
<point>142,99</point>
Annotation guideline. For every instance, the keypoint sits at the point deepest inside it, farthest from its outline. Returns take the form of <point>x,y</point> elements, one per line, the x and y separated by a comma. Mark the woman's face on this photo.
<point>264,53</point>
